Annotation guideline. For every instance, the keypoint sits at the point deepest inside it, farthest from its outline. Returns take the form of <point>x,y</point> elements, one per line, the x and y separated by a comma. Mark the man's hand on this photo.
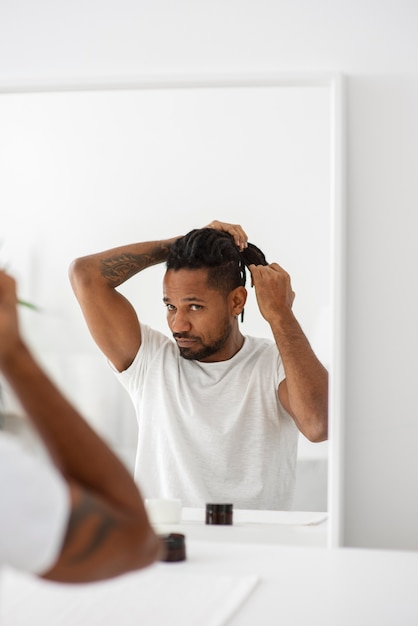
<point>237,232</point>
<point>9,328</point>
<point>273,289</point>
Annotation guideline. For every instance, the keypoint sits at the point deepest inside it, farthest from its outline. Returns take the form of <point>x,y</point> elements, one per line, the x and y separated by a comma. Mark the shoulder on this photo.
<point>263,353</point>
<point>259,341</point>
<point>154,343</point>
<point>260,346</point>
<point>152,337</point>
<point>156,349</point>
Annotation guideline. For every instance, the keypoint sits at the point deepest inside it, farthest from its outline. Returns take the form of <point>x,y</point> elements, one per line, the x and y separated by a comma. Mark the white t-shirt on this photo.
<point>212,432</point>
<point>34,509</point>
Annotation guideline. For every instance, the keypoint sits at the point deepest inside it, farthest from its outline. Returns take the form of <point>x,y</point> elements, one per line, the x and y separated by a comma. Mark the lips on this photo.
<point>185,343</point>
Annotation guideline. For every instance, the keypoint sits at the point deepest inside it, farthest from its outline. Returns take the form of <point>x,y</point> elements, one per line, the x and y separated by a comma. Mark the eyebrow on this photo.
<point>188,299</point>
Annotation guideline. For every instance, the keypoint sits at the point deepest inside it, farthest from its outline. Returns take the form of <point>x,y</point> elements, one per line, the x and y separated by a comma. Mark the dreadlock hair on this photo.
<point>215,251</point>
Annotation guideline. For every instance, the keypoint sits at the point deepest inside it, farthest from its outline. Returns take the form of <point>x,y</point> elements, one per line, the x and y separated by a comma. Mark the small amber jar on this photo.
<point>220,514</point>
<point>175,547</point>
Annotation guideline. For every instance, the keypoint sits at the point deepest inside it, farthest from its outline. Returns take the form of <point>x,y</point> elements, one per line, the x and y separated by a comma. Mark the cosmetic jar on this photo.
<point>175,546</point>
<point>220,514</point>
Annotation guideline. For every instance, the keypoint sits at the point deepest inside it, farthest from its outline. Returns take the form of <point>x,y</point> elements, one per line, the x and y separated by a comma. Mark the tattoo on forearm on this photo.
<point>100,525</point>
<point>122,267</point>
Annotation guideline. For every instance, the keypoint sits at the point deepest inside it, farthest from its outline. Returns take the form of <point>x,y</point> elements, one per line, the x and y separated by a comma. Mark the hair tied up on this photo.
<point>253,255</point>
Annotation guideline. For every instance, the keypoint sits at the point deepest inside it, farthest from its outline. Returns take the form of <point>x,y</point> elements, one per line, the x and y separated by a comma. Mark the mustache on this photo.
<point>184,336</point>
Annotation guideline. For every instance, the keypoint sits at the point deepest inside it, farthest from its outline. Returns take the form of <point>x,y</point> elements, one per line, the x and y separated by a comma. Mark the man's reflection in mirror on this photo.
<point>219,412</point>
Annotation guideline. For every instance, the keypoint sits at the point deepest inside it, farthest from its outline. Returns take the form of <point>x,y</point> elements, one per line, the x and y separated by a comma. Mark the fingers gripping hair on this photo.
<point>253,256</point>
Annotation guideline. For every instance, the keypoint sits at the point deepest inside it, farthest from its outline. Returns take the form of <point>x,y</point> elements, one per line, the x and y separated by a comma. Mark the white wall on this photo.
<point>375,45</point>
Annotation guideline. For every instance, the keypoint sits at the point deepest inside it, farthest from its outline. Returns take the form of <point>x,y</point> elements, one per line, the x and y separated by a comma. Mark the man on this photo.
<point>80,517</point>
<point>218,412</point>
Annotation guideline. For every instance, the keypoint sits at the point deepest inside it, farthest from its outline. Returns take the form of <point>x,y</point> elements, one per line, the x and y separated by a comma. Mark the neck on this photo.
<point>233,345</point>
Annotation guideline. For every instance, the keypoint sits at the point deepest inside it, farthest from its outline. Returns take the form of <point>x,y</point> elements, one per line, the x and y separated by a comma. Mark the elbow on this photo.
<point>316,429</point>
<point>316,418</point>
<point>312,421</point>
<point>318,435</point>
<point>80,274</point>
<point>75,271</point>
<point>132,547</point>
<point>149,549</point>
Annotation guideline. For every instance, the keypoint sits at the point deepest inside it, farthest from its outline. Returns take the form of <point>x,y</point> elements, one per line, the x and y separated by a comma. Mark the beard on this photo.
<point>203,351</point>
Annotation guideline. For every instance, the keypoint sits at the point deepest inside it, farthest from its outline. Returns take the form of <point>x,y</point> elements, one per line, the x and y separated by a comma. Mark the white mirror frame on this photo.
<point>335,84</point>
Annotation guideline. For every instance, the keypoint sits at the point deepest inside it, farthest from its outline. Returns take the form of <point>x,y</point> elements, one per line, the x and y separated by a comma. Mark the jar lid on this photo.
<point>219,508</point>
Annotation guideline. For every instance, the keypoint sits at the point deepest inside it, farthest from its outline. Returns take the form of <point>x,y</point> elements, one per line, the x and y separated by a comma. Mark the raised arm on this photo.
<point>304,392</point>
<point>108,531</point>
<point>110,317</point>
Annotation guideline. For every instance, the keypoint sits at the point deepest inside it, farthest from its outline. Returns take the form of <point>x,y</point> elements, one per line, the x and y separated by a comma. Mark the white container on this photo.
<point>163,510</point>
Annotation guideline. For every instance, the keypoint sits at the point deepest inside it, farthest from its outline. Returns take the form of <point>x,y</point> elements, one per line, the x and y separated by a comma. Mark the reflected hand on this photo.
<point>235,230</point>
<point>273,289</point>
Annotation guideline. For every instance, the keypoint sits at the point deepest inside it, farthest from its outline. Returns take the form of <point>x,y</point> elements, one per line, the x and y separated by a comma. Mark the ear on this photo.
<point>238,298</point>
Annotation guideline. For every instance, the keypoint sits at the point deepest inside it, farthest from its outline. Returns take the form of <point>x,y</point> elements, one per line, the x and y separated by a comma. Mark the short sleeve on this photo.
<point>34,505</point>
<point>152,341</point>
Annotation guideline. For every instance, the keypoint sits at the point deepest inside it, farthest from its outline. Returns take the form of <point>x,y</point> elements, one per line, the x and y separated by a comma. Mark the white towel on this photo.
<point>165,594</point>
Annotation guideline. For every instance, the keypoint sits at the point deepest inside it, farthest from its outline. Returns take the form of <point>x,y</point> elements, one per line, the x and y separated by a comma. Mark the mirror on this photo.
<point>90,167</point>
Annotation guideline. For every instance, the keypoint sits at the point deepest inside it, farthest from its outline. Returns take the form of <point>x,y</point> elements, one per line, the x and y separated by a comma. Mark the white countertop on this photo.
<point>298,528</point>
<point>229,580</point>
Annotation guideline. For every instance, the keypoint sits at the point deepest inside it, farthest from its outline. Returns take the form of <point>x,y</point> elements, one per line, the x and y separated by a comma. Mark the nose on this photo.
<point>179,322</point>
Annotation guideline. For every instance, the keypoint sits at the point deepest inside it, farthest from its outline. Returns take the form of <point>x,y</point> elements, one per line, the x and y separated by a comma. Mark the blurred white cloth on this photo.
<point>34,508</point>
<point>161,595</point>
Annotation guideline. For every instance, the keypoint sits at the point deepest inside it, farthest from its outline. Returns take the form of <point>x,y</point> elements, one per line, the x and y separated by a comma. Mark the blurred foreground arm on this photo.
<point>108,530</point>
